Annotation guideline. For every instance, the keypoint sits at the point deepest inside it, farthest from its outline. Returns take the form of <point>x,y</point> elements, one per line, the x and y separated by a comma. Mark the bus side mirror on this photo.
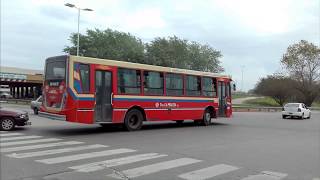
<point>234,87</point>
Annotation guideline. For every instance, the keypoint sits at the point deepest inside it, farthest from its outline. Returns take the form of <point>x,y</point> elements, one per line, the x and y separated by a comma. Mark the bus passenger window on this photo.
<point>129,81</point>
<point>81,78</point>
<point>193,85</point>
<point>208,87</point>
<point>153,83</point>
<point>85,77</point>
<point>174,84</point>
<point>214,87</point>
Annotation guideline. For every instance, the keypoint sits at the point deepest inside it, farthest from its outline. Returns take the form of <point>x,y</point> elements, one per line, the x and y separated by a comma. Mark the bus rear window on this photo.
<point>56,70</point>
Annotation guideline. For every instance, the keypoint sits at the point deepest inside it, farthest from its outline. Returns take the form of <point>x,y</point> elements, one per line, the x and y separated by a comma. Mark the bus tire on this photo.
<point>206,120</point>
<point>133,120</point>
<point>179,122</point>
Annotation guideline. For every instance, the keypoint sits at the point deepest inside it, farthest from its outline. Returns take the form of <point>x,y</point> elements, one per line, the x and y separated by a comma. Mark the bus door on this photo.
<point>222,98</point>
<point>228,99</point>
<point>103,96</point>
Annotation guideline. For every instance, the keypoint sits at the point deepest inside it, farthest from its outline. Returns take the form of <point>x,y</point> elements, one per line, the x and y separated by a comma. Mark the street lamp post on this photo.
<point>79,9</point>
<point>242,67</point>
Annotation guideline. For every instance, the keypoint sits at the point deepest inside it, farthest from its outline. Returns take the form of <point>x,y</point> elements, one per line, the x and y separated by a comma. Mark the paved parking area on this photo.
<point>249,146</point>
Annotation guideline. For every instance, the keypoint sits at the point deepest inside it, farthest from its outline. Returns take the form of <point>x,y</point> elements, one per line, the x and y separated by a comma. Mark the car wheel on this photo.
<point>302,116</point>
<point>284,116</point>
<point>206,120</point>
<point>7,124</point>
<point>36,111</point>
<point>309,115</point>
<point>133,120</point>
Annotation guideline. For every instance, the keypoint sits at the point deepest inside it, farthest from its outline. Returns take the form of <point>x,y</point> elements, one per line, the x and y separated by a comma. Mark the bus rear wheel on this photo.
<point>179,122</point>
<point>206,120</point>
<point>133,120</point>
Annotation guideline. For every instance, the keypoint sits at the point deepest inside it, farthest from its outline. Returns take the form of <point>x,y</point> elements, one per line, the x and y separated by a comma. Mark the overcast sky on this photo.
<point>252,34</point>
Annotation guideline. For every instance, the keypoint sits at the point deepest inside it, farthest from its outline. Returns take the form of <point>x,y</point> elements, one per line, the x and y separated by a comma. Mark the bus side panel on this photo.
<point>85,116</point>
<point>229,108</point>
<point>118,116</point>
<point>121,107</point>
<point>85,112</point>
<point>156,111</point>
<point>70,109</point>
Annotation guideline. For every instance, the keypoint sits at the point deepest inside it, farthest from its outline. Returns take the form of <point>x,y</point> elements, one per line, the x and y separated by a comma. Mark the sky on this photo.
<point>252,35</point>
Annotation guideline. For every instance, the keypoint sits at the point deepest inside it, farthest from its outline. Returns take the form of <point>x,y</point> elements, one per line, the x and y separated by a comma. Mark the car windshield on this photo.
<point>292,105</point>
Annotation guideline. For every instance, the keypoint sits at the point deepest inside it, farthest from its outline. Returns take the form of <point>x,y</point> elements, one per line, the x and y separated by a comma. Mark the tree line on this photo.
<point>163,51</point>
<point>299,80</point>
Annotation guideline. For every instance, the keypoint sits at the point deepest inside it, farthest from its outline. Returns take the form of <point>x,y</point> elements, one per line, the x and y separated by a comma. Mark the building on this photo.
<point>21,83</point>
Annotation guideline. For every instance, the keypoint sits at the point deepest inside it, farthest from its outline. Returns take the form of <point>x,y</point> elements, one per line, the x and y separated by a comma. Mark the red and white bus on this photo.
<point>90,90</point>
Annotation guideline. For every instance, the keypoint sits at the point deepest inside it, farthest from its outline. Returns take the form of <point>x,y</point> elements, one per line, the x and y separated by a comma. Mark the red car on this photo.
<point>9,118</point>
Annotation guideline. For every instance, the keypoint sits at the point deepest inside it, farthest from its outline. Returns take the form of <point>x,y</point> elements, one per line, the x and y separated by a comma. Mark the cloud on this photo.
<point>249,33</point>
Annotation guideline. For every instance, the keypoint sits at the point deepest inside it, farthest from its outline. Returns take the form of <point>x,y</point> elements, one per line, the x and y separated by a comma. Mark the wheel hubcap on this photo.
<point>208,117</point>
<point>133,121</point>
<point>7,124</point>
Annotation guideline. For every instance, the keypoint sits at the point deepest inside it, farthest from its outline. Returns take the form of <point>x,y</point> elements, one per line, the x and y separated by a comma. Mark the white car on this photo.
<point>299,110</point>
<point>35,105</point>
<point>5,95</point>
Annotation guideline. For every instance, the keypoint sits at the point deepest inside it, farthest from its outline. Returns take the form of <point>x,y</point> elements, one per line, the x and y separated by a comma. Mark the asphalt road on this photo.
<point>249,146</point>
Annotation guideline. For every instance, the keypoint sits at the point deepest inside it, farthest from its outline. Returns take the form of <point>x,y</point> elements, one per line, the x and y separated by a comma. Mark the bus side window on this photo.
<point>153,83</point>
<point>129,81</point>
<point>174,84</point>
<point>81,77</point>
<point>215,87</point>
<point>85,77</point>
<point>207,87</point>
<point>193,85</point>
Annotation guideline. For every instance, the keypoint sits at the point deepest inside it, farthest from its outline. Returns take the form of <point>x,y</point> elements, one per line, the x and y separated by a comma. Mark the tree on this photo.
<point>180,53</point>
<point>302,62</point>
<point>108,44</point>
<point>277,87</point>
<point>171,52</point>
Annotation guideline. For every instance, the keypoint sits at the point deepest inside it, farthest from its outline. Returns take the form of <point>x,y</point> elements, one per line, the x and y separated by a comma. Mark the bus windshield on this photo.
<point>55,69</point>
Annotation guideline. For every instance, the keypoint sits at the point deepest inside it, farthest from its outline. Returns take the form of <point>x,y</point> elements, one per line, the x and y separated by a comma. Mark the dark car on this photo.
<point>10,118</point>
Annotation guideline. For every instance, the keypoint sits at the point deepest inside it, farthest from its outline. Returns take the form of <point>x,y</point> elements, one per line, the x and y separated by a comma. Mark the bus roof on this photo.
<point>131,65</point>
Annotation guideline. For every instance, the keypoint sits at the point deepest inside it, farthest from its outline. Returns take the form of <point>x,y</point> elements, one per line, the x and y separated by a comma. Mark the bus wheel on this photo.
<point>133,120</point>
<point>206,118</point>
<point>180,122</point>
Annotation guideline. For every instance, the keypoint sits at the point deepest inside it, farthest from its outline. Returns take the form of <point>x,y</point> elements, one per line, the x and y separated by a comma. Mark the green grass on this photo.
<point>242,95</point>
<point>265,101</point>
<point>316,104</point>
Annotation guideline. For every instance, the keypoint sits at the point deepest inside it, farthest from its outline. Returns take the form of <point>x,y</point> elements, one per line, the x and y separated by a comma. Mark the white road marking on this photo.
<point>55,151</point>
<point>267,175</point>
<point>3,144</point>
<point>19,138</point>
<point>84,156</point>
<point>153,168</point>
<point>208,172</point>
<point>3,132</point>
<point>39,146</point>
<point>91,167</point>
<point>11,134</point>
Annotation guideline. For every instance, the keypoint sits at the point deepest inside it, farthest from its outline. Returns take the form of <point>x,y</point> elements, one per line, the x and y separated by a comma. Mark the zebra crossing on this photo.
<point>51,151</point>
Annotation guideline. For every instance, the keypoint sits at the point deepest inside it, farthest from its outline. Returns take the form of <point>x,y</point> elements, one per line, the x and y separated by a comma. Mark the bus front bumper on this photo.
<point>53,116</point>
